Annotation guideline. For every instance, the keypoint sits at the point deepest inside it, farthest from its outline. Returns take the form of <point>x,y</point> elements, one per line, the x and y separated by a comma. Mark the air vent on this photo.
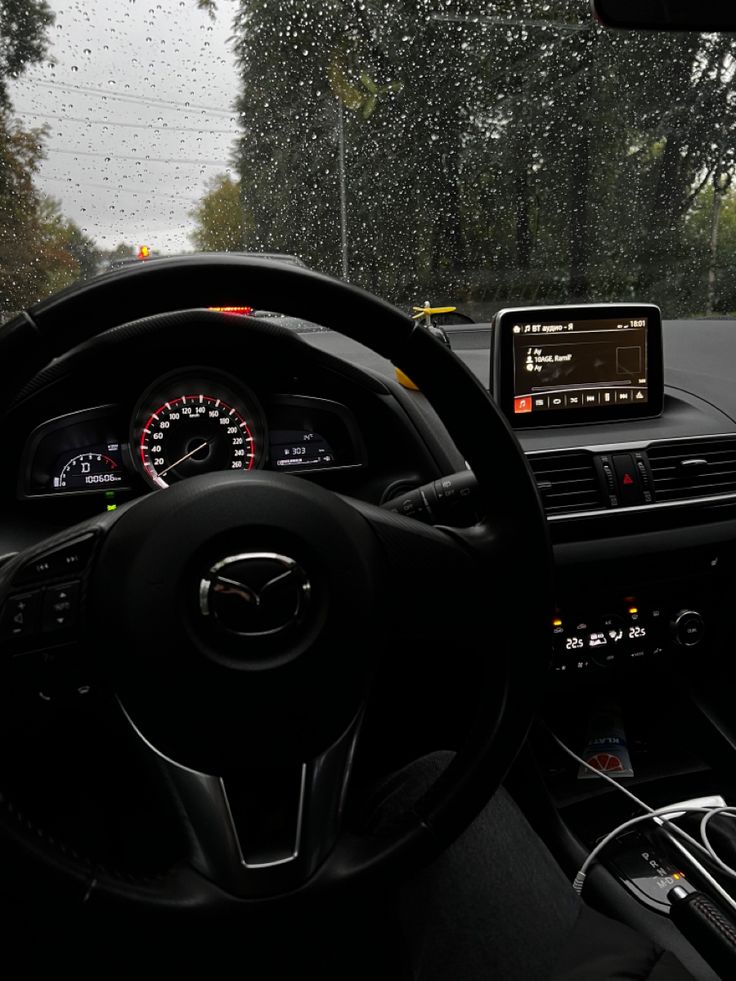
<point>567,482</point>
<point>695,468</point>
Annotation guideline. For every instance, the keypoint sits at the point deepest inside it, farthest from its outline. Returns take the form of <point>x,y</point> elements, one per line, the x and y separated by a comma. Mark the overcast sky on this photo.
<point>138,98</point>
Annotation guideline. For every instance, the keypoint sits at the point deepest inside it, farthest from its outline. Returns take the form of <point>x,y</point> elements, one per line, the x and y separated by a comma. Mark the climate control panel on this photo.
<point>626,633</point>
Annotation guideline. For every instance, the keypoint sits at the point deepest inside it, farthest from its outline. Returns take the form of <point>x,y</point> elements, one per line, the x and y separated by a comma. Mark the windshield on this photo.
<point>469,154</point>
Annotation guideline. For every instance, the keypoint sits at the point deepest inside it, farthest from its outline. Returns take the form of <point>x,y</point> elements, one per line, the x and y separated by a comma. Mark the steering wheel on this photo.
<point>252,608</point>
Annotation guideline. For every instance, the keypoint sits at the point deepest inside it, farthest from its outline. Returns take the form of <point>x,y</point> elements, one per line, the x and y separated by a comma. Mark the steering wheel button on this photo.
<point>21,615</point>
<point>61,562</point>
<point>73,557</point>
<point>60,606</point>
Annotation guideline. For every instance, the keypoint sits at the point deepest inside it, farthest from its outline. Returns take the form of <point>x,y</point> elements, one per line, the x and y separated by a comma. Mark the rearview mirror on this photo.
<point>666,15</point>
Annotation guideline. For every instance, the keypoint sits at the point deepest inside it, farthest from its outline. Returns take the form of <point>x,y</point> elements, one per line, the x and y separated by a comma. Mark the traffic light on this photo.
<point>144,252</point>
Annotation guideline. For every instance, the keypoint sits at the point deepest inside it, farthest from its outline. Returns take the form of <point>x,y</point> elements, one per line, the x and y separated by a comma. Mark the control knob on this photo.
<point>688,628</point>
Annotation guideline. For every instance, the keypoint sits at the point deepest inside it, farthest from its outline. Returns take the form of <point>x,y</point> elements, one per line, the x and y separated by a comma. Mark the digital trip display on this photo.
<point>573,364</point>
<point>91,468</point>
<point>293,449</point>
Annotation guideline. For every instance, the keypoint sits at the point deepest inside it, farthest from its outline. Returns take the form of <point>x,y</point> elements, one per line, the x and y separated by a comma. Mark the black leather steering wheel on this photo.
<point>276,714</point>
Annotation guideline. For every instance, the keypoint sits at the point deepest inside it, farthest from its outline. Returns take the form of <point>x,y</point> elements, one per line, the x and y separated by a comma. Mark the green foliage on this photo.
<point>23,26</point>
<point>40,250</point>
<point>288,155</point>
<point>210,6</point>
<point>20,225</point>
<point>221,218</point>
<point>698,237</point>
<point>121,251</point>
<point>66,254</point>
<point>484,163</point>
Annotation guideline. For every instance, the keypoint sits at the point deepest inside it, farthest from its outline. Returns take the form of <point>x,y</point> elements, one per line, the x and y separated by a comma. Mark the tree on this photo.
<point>222,222</point>
<point>288,155</point>
<point>525,155</point>
<point>718,257</point>
<point>21,275</point>
<point>23,38</point>
<point>23,27</point>
<point>41,251</point>
<point>66,254</point>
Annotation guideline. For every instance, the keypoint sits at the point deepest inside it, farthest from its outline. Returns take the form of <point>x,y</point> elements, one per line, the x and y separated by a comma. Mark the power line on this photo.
<point>82,185</point>
<point>116,122</point>
<point>128,97</point>
<point>139,158</point>
<point>140,185</point>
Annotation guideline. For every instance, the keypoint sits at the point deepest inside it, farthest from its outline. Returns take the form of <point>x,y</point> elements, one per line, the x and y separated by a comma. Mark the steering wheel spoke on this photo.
<point>261,831</point>
<point>43,599</point>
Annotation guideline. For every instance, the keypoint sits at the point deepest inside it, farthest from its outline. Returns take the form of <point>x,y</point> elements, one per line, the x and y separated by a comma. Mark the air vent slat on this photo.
<point>686,480</point>
<point>693,468</point>
<point>563,471</point>
<point>568,482</point>
<point>586,491</point>
<point>578,482</point>
<point>674,460</point>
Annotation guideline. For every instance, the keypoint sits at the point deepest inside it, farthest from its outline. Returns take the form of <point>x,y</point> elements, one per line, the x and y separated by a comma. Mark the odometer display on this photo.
<point>188,429</point>
<point>90,470</point>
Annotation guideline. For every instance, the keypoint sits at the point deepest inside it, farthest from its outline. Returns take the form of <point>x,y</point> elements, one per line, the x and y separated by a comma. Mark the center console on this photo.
<point>642,519</point>
<point>623,631</point>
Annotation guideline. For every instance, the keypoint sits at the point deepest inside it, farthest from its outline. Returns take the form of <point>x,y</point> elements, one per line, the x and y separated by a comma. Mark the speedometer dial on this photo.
<point>186,425</point>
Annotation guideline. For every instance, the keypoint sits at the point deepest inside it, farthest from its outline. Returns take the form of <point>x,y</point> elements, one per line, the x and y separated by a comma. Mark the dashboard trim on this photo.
<point>639,444</point>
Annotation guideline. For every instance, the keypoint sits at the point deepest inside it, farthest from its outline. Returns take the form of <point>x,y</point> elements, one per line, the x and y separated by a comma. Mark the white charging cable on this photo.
<point>662,816</point>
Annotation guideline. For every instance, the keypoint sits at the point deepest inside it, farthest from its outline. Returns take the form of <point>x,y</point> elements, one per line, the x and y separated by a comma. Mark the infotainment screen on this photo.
<point>561,365</point>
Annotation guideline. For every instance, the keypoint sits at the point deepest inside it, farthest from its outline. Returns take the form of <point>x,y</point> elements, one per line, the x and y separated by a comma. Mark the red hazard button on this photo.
<point>627,478</point>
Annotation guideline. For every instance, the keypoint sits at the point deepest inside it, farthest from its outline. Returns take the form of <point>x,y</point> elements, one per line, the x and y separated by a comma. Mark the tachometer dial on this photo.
<point>88,470</point>
<point>188,425</point>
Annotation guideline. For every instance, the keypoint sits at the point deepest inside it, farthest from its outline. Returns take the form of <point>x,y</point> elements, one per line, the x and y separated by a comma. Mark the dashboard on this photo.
<point>641,505</point>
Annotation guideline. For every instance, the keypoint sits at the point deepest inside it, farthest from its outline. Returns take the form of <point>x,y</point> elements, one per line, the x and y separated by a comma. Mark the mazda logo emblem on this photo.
<point>255,593</point>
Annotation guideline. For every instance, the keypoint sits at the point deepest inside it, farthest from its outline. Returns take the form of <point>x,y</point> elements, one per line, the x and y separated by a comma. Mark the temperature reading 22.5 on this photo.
<point>637,632</point>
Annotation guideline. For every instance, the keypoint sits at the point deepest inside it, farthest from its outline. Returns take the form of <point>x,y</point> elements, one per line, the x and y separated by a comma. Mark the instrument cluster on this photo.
<point>185,423</point>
